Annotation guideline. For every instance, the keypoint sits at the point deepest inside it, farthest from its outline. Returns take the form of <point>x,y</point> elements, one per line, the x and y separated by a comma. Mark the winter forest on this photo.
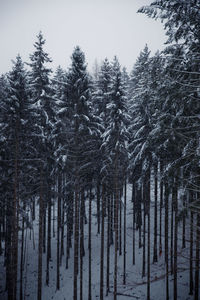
<point>100,171</point>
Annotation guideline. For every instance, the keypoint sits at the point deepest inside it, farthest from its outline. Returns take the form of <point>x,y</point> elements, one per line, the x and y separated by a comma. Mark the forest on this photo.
<point>100,171</point>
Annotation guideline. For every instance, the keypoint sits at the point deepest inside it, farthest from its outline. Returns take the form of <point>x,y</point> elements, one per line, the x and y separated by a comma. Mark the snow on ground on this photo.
<point>136,285</point>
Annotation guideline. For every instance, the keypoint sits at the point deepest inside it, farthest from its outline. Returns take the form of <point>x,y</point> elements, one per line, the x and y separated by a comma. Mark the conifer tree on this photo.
<point>114,143</point>
<point>40,94</point>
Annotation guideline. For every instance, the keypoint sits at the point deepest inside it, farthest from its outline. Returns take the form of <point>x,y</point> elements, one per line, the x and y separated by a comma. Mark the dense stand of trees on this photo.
<point>71,137</point>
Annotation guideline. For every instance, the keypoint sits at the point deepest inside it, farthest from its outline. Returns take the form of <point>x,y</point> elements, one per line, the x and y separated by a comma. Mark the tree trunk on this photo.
<point>144,234</point>
<point>98,207</point>
<point>116,233</point>
<point>120,223</point>
<point>184,220</point>
<point>102,243</point>
<point>15,223</point>
<point>48,235</point>
<point>62,230</point>
<point>172,231</point>
<point>148,233</point>
<point>70,222</point>
<point>90,247</point>
<point>108,247</point>
<point>191,249</point>
<point>161,205</point>
<point>58,232</point>
<point>134,211</point>
<point>39,291</point>
<point>111,219</point>
<point>54,232</point>
<point>22,256</point>
<point>155,255</point>
<point>139,197</point>
<point>76,238</point>
<point>175,237</point>
<point>166,239</point>
<point>8,251</point>
<point>196,289</point>
<point>124,261</point>
<point>81,243</point>
<point>44,225</point>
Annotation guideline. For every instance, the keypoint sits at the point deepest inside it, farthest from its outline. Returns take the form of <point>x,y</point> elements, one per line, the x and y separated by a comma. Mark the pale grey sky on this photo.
<point>102,28</point>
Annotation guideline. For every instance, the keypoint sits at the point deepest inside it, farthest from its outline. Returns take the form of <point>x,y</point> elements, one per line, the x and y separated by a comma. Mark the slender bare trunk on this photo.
<point>116,239</point>
<point>144,235</point>
<point>102,243</point>
<point>90,248</point>
<point>22,256</point>
<point>166,239</point>
<point>76,238</point>
<point>148,233</point>
<point>184,220</point>
<point>134,208</point>
<point>48,236</point>
<point>161,205</point>
<point>155,254</point>
<point>108,248</point>
<point>191,249</point>
<point>172,232</point>
<point>120,223</point>
<point>39,291</point>
<point>98,207</point>
<point>58,232</point>
<point>15,222</point>
<point>175,237</point>
<point>62,230</point>
<point>196,289</point>
<point>81,243</point>
<point>124,261</point>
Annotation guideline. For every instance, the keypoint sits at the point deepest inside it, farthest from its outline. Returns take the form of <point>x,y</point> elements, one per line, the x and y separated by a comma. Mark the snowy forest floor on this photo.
<point>135,287</point>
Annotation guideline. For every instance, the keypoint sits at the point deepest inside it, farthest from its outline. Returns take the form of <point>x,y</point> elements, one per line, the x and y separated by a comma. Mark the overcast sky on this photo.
<point>102,28</point>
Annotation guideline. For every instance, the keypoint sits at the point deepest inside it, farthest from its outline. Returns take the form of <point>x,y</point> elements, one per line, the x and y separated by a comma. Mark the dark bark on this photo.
<point>22,256</point>
<point>161,205</point>
<point>144,234</point>
<point>108,247</point>
<point>33,212</point>
<point>116,235</point>
<point>148,233</point>
<point>58,232</point>
<point>175,196</point>
<point>39,290</point>
<point>54,232</point>
<point>120,223</point>
<point>166,239</point>
<point>15,222</point>
<point>184,220</point>
<point>134,208</point>
<point>8,251</point>
<point>191,249</point>
<point>81,242</point>
<point>48,236</point>
<point>172,233</point>
<point>76,239</point>
<point>102,243</point>
<point>90,247</point>
<point>98,207</point>
<point>124,252</point>
<point>196,288</point>
<point>111,219</point>
<point>44,227</point>
<point>155,254</point>
<point>62,230</point>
